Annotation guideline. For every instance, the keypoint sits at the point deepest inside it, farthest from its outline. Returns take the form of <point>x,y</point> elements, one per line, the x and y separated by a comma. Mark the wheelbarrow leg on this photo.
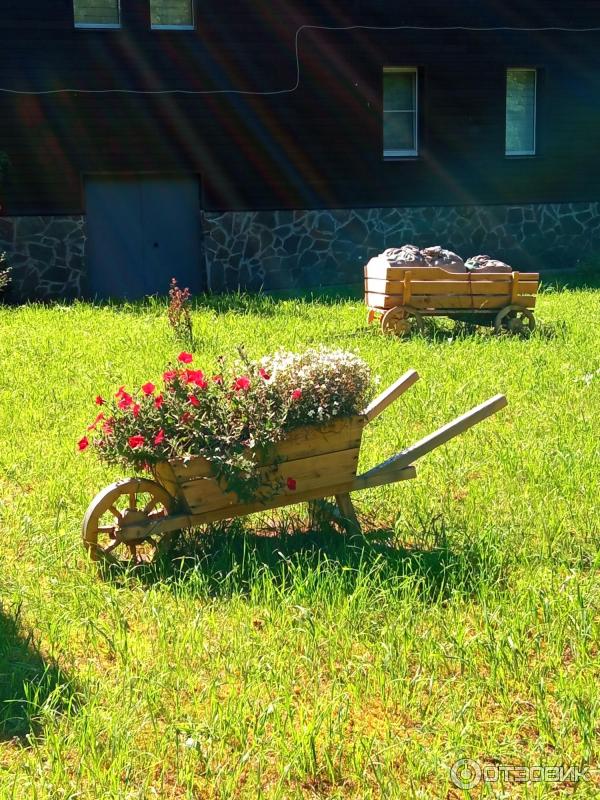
<point>348,514</point>
<point>322,512</point>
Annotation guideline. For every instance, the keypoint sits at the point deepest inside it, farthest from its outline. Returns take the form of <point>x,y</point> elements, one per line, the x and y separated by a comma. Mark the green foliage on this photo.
<point>271,662</point>
<point>180,316</point>
<point>232,418</point>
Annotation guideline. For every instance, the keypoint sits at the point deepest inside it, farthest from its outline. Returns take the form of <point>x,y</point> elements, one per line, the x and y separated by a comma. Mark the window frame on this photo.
<point>109,26</point>
<point>392,154</point>
<point>522,153</point>
<point>191,27</point>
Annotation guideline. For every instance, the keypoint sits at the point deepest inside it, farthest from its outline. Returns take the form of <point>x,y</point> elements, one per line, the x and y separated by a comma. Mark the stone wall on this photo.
<point>305,249</point>
<point>46,256</point>
<point>277,250</point>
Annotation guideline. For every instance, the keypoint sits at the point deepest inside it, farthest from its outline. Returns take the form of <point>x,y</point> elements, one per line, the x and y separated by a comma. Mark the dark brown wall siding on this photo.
<point>319,146</point>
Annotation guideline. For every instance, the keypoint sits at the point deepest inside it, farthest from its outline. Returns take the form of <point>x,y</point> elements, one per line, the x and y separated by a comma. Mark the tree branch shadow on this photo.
<point>31,686</point>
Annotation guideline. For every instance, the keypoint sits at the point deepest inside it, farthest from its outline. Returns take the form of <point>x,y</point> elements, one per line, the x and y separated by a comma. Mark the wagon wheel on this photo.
<point>118,526</point>
<point>515,319</point>
<point>402,321</point>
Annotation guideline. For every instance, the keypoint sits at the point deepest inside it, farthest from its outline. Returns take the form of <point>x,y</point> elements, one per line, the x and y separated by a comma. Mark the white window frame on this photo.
<point>510,153</point>
<point>415,112</point>
<point>191,27</point>
<point>99,25</point>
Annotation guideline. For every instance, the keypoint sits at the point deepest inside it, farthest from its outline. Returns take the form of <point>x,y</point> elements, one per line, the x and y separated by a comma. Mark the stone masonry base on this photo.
<point>278,250</point>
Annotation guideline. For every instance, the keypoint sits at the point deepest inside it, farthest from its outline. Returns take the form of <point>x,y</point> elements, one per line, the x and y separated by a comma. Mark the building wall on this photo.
<point>46,255</point>
<point>282,250</point>
<point>294,187</point>
<point>314,145</point>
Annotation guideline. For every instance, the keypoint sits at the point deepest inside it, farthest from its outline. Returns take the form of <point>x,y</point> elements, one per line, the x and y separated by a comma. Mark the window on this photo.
<point>172,14</point>
<point>96,13</point>
<point>521,90</point>
<point>400,126</point>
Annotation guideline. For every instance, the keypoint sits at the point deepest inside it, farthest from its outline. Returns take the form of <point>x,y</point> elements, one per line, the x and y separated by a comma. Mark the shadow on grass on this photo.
<point>30,685</point>
<point>587,277</point>
<point>232,559</point>
<point>244,303</point>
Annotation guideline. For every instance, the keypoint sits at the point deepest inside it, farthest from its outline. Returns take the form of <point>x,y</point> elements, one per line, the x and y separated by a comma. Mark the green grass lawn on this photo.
<point>300,665</point>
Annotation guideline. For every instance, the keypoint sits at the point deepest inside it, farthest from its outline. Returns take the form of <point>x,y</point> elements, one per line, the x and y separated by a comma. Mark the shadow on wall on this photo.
<point>30,686</point>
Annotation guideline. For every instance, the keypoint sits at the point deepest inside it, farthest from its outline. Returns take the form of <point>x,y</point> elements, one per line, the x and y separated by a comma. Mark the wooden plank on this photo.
<point>515,289</point>
<point>381,269</point>
<point>439,437</point>
<point>472,302</point>
<point>343,434</point>
<point>384,271</point>
<point>307,473</point>
<point>392,393</point>
<point>348,516</point>
<point>436,287</point>
<point>163,474</point>
<point>466,302</point>
<point>533,277</point>
<point>407,287</point>
<point>179,521</point>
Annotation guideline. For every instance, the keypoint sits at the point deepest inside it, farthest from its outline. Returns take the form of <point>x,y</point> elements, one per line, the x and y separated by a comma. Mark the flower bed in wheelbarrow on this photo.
<point>260,435</point>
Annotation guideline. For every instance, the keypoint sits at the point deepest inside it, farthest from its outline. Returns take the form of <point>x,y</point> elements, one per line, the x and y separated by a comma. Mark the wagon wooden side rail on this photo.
<point>138,517</point>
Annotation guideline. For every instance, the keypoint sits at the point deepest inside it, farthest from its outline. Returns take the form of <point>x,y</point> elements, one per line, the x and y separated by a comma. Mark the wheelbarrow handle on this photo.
<point>408,456</point>
<point>387,397</point>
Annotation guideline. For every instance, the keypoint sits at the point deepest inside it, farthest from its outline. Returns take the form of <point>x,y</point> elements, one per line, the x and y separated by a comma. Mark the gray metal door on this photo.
<point>143,231</point>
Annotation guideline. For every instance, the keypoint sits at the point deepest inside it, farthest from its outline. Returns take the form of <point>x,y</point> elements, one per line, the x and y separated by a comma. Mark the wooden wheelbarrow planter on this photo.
<point>401,297</point>
<point>138,516</point>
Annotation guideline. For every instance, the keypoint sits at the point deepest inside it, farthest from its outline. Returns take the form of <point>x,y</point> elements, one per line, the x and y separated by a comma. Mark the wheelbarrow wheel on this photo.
<point>118,524</point>
<point>515,319</point>
<point>402,321</point>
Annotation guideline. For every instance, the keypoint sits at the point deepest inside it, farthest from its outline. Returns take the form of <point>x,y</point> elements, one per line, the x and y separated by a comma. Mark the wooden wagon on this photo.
<point>400,297</point>
<point>138,517</point>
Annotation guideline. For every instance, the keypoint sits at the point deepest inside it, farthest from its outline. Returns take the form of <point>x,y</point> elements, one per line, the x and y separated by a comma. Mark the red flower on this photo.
<point>194,400</point>
<point>136,441</point>
<point>83,443</point>
<point>241,384</point>
<point>99,401</point>
<point>107,427</point>
<point>264,374</point>
<point>169,375</point>
<point>296,394</point>
<point>98,419</point>
<point>217,379</point>
<point>136,409</point>
<point>195,376</point>
<point>291,484</point>
<point>159,438</point>
<point>185,417</point>
<point>148,388</point>
<point>121,392</point>
<point>158,401</point>
<point>125,401</point>
<point>185,358</point>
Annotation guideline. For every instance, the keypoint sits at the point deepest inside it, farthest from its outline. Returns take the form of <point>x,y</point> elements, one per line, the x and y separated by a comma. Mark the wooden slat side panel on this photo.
<point>470,302</point>
<point>308,473</point>
<point>342,434</point>
<point>164,474</point>
<point>467,302</point>
<point>459,287</point>
<point>380,269</point>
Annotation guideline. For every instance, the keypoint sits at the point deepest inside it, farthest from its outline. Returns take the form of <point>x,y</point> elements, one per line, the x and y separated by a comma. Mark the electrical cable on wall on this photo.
<point>468,29</point>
